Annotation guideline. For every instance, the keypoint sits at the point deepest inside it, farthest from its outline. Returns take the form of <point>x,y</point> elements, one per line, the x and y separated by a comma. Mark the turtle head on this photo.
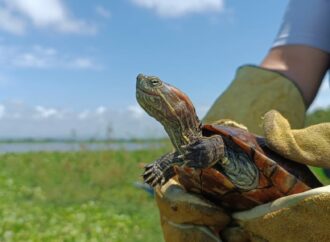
<point>148,84</point>
<point>161,100</point>
<point>170,106</point>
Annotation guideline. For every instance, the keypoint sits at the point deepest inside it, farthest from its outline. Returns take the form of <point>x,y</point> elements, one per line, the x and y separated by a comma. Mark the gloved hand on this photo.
<point>300,217</point>
<point>309,146</point>
<point>255,91</point>
<point>187,217</point>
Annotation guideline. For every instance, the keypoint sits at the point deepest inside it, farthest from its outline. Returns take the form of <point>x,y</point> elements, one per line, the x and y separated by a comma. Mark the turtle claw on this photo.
<point>186,156</point>
<point>163,181</point>
<point>152,174</point>
<point>147,171</point>
<point>184,146</point>
<point>152,180</point>
<point>148,166</point>
<point>155,182</point>
<point>149,178</point>
<point>181,157</point>
<point>187,162</point>
<point>160,171</point>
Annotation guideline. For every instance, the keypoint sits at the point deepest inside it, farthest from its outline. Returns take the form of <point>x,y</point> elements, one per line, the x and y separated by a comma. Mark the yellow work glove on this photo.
<point>310,146</point>
<point>254,92</point>
<point>187,217</point>
<point>303,217</point>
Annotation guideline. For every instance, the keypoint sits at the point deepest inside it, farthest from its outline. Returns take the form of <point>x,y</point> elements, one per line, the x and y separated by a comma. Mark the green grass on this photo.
<point>319,172</point>
<point>78,196</point>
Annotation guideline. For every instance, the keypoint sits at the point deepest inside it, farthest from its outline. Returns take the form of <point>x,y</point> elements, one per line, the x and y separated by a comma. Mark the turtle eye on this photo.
<point>155,82</point>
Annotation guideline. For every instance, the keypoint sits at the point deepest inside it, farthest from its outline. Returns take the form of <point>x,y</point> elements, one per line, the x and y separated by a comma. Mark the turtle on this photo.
<point>225,164</point>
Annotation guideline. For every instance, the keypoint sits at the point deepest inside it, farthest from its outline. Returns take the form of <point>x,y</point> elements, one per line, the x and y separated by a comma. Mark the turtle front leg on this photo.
<point>161,170</point>
<point>204,152</point>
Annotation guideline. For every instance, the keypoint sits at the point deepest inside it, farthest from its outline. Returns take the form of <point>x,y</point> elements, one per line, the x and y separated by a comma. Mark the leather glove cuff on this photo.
<point>255,91</point>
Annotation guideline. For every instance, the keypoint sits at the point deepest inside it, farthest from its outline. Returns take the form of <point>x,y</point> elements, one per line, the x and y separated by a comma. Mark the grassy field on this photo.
<point>78,196</point>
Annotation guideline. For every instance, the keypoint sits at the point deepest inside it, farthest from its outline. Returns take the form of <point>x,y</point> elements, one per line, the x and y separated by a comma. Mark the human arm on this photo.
<point>302,46</point>
<point>303,65</point>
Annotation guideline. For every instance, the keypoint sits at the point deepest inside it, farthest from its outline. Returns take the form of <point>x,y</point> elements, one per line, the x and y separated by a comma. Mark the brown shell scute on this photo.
<point>274,179</point>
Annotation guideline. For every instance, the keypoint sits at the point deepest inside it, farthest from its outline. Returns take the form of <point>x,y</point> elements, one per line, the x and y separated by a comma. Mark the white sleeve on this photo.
<point>306,22</point>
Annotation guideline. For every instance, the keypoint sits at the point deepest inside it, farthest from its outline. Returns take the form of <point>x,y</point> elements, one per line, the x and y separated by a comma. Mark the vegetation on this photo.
<point>78,196</point>
<point>318,116</point>
<point>322,174</point>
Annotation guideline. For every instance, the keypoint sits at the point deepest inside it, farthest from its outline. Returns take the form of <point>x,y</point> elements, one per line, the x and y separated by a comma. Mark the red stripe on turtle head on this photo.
<point>182,100</point>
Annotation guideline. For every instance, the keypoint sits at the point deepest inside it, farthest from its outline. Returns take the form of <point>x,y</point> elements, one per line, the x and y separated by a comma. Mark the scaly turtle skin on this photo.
<point>227,165</point>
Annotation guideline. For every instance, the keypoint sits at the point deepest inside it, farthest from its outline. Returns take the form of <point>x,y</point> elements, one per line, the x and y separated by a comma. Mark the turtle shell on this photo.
<point>278,176</point>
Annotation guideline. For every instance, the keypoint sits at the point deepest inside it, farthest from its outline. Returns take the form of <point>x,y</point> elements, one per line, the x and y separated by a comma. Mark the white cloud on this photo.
<point>19,120</point>
<point>176,8</point>
<point>45,14</point>
<point>101,110</point>
<point>84,114</point>
<point>42,57</point>
<point>42,112</point>
<point>30,60</point>
<point>102,11</point>
<point>41,12</point>
<point>10,23</point>
<point>83,63</point>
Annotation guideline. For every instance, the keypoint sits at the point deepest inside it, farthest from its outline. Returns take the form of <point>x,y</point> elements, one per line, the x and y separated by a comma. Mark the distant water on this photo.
<point>67,146</point>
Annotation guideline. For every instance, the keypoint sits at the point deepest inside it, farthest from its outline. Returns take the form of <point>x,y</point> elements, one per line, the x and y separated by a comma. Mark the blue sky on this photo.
<point>71,65</point>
